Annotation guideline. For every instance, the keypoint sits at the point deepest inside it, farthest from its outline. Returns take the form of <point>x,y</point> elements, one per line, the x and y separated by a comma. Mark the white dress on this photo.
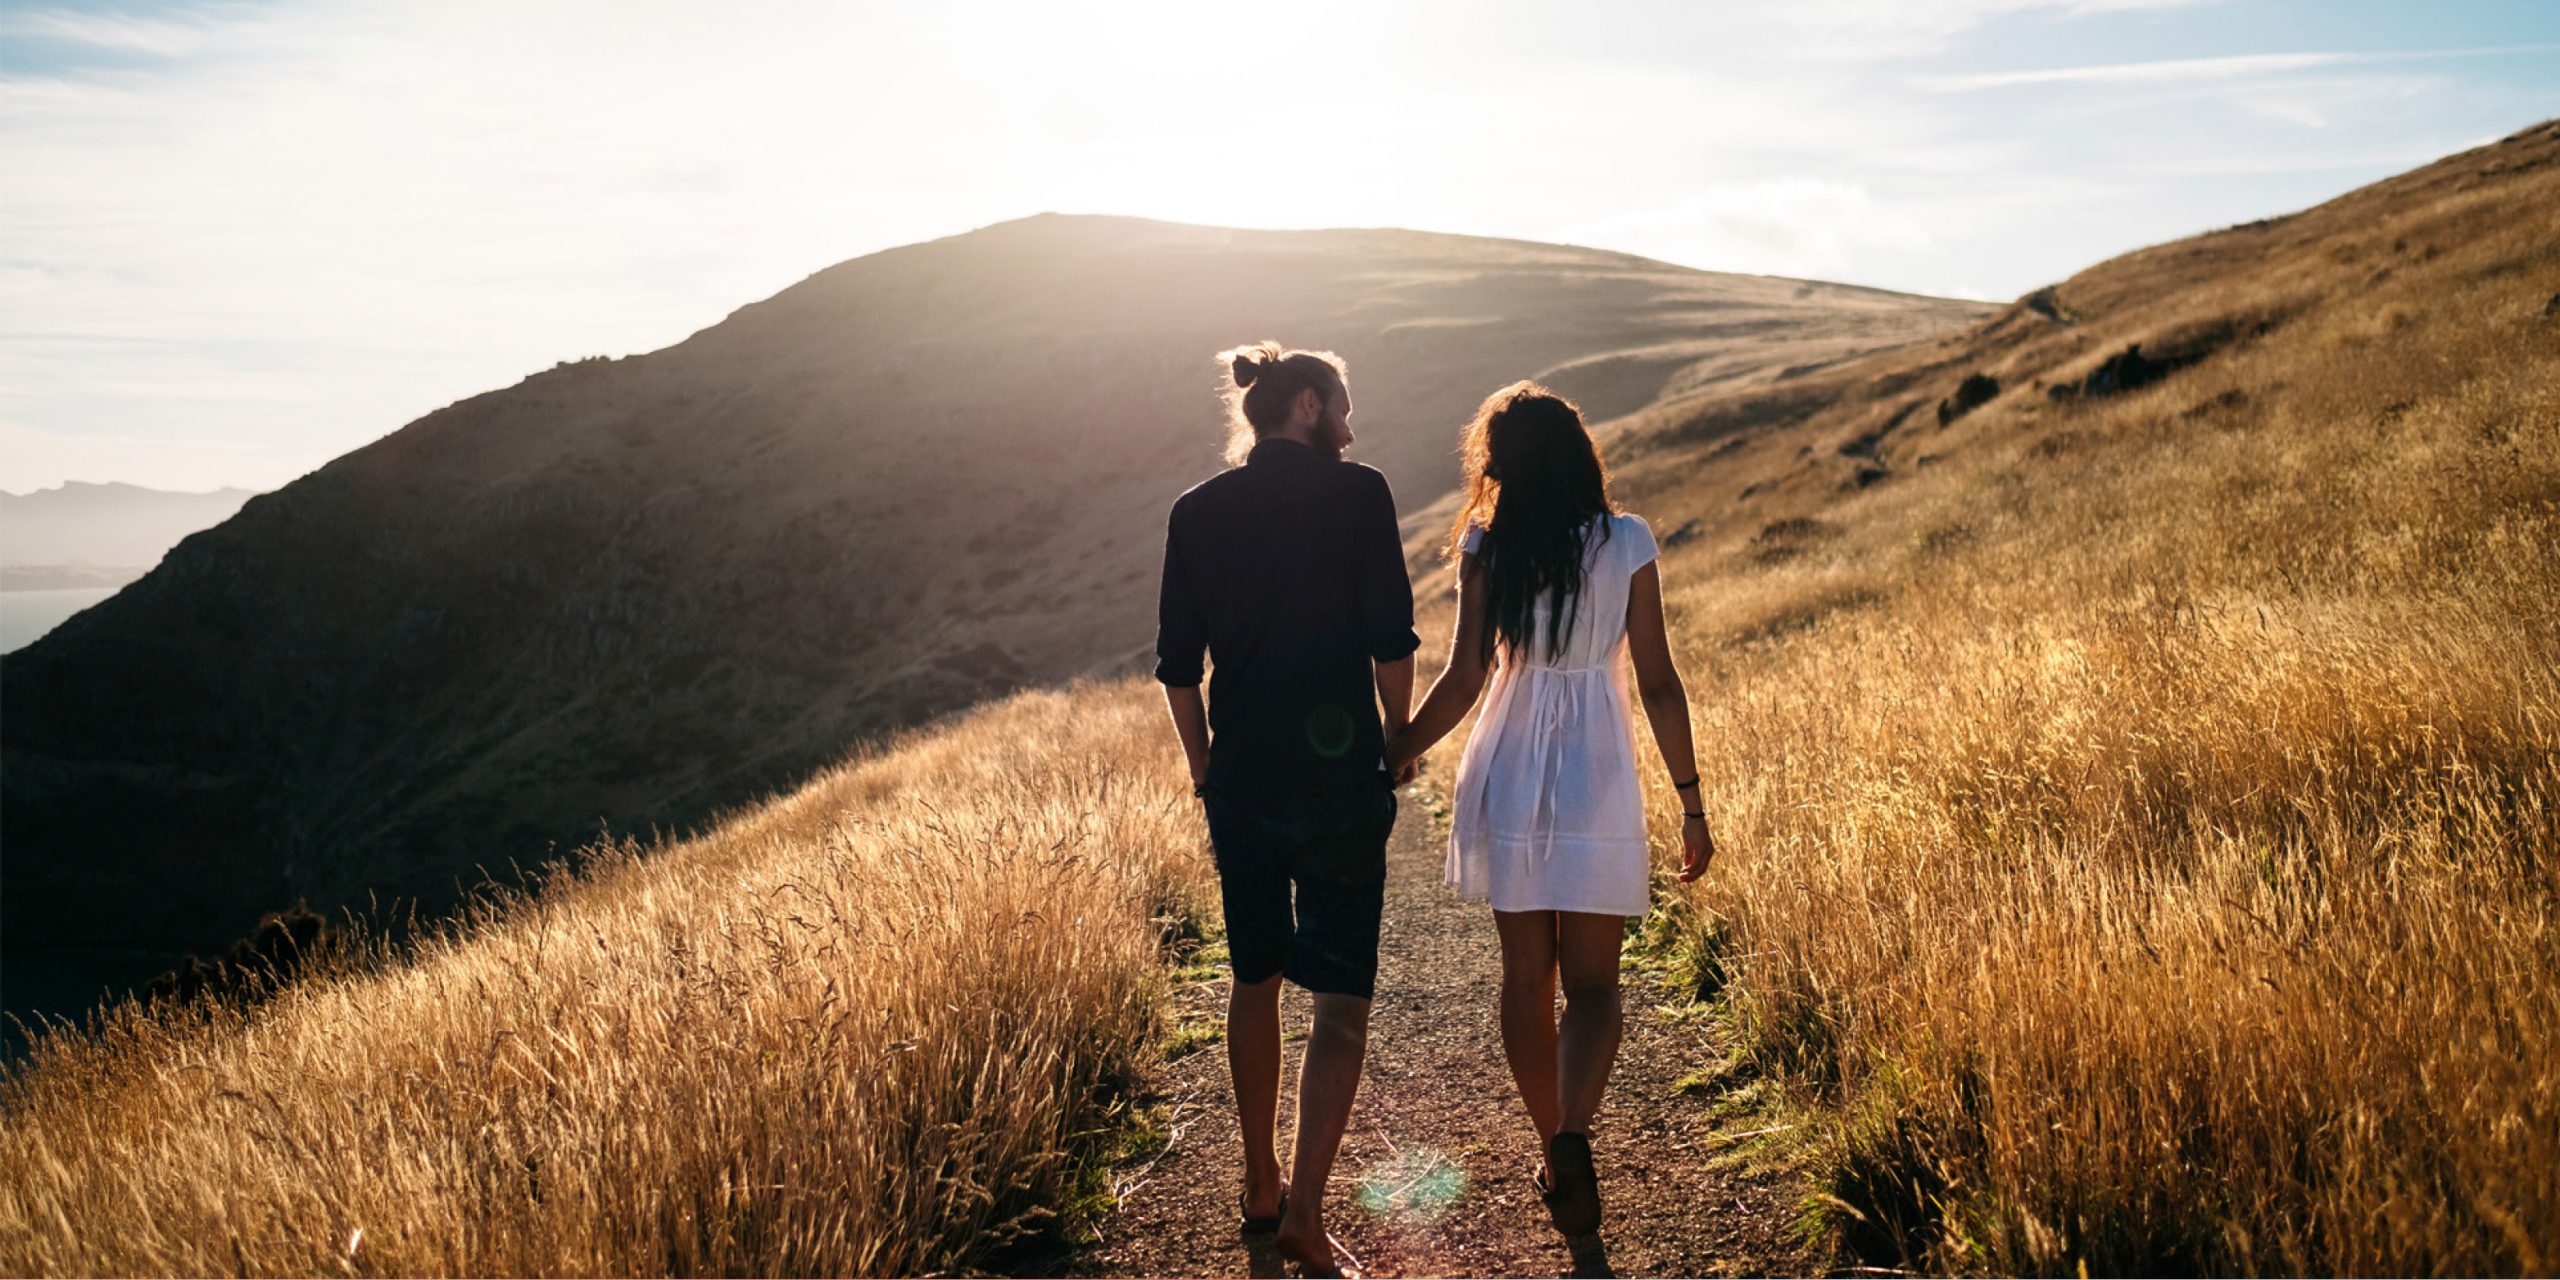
<point>1548,816</point>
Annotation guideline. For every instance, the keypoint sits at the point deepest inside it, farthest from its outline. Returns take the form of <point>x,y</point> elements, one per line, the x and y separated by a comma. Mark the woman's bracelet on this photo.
<point>1693,813</point>
<point>1683,786</point>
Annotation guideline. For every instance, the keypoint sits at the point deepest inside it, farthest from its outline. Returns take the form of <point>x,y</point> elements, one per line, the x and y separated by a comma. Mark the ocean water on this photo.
<point>27,615</point>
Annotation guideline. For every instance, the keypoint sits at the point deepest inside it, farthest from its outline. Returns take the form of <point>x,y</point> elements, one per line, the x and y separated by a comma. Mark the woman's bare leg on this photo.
<point>1587,1041</point>
<point>1529,1012</point>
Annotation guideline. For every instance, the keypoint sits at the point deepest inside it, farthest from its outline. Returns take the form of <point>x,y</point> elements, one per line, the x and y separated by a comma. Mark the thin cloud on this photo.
<point>2290,112</point>
<point>1790,226</point>
<point>117,32</point>
<point>1865,31</point>
<point>2260,164</point>
<point>2228,67</point>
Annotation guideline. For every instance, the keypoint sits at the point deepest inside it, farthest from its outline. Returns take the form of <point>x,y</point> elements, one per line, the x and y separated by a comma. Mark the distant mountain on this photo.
<point>99,526</point>
<point>65,577</point>
<point>635,592</point>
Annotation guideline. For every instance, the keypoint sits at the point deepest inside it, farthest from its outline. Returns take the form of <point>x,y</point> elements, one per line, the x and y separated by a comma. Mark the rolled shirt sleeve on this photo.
<point>1386,592</point>
<point>1181,641</point>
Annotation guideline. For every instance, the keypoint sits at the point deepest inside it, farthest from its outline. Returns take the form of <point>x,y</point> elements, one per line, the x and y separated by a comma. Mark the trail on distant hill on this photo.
<point>1433,1175</point>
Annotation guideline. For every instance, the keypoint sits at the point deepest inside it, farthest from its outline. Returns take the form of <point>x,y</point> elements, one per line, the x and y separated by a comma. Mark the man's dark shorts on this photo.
<point>1333,848</point>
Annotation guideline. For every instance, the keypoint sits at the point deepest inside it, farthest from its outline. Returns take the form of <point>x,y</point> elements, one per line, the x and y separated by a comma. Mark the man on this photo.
<point>1289,573</point>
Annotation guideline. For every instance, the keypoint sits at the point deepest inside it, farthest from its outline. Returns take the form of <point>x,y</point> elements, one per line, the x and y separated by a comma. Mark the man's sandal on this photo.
<point>1330,1269</point>
<point>1546,1190</point>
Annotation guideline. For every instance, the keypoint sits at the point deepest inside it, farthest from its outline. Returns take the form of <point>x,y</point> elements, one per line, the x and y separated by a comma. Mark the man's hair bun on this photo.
<point>1262,378</point>
<point>1248,365</point>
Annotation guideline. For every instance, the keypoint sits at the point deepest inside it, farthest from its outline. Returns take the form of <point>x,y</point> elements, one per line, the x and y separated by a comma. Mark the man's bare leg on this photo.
<point>1253,1059</point>
<point>1327,1082</point>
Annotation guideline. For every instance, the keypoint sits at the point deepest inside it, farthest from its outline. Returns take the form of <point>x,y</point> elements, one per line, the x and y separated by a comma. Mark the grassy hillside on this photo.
<point>2140,812</point>
<point>865,1029</point>
<point>2142,807</point>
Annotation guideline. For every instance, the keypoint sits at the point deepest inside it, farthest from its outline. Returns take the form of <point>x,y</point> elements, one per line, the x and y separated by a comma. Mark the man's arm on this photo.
<point>1181,645</point>
<point>1191,724</point>
<point>1395,692</point>
<point>1386,605</point>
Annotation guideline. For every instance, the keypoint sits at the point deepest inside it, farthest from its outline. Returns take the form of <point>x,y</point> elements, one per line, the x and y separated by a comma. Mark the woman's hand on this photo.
<point>1697,848</point>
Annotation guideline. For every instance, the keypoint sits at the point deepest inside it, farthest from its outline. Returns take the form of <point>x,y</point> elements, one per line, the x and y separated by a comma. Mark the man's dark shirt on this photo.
<point>1289,572</point>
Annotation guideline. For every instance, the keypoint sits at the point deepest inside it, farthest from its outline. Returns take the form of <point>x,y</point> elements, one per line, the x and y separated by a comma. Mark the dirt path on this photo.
<point>1432,1176</point>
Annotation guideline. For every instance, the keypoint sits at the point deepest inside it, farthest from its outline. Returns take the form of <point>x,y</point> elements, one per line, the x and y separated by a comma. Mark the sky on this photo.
<point>239,239</point>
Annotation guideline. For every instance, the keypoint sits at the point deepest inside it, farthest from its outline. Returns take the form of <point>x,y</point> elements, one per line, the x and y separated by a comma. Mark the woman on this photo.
<point>1548,823</point>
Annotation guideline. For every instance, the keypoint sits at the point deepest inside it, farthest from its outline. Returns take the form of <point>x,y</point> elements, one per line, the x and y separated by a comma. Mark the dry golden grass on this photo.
<point>2142,831</point>
<point>857,1031</point>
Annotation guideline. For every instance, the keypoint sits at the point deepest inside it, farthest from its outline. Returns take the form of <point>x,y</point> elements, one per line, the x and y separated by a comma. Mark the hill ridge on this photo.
<point>644,589</point>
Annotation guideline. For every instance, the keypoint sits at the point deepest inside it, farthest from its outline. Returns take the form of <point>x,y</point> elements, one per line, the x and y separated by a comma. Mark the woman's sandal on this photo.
<point>1574,1201</point>
<point>1253,1226</point>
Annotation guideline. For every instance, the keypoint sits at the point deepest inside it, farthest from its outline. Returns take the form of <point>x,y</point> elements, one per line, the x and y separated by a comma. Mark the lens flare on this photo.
<point>1416,1185</point>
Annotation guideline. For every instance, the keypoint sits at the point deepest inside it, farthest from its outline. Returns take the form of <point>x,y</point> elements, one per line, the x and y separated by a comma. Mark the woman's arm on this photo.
<point>1459,684</point>
<point>1666,708</point>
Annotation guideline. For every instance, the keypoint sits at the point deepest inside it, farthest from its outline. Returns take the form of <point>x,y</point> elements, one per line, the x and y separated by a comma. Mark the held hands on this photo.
<point>1404,764</point>
<point>1404,755</point>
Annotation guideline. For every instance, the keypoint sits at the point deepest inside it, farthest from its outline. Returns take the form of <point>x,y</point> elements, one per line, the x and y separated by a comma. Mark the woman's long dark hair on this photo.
<point>1534,482</point>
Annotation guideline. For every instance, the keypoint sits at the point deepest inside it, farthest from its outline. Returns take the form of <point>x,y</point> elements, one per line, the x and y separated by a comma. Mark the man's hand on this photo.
<point>1403,764</point>
<point>1697,848</point>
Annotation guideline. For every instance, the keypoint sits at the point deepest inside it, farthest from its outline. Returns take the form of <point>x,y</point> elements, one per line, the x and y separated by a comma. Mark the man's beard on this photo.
<point>1332,439</point>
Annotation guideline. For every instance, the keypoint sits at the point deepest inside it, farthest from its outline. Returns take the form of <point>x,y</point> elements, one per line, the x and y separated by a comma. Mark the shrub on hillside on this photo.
<point>282,946</point>
<point>1975,391</point>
